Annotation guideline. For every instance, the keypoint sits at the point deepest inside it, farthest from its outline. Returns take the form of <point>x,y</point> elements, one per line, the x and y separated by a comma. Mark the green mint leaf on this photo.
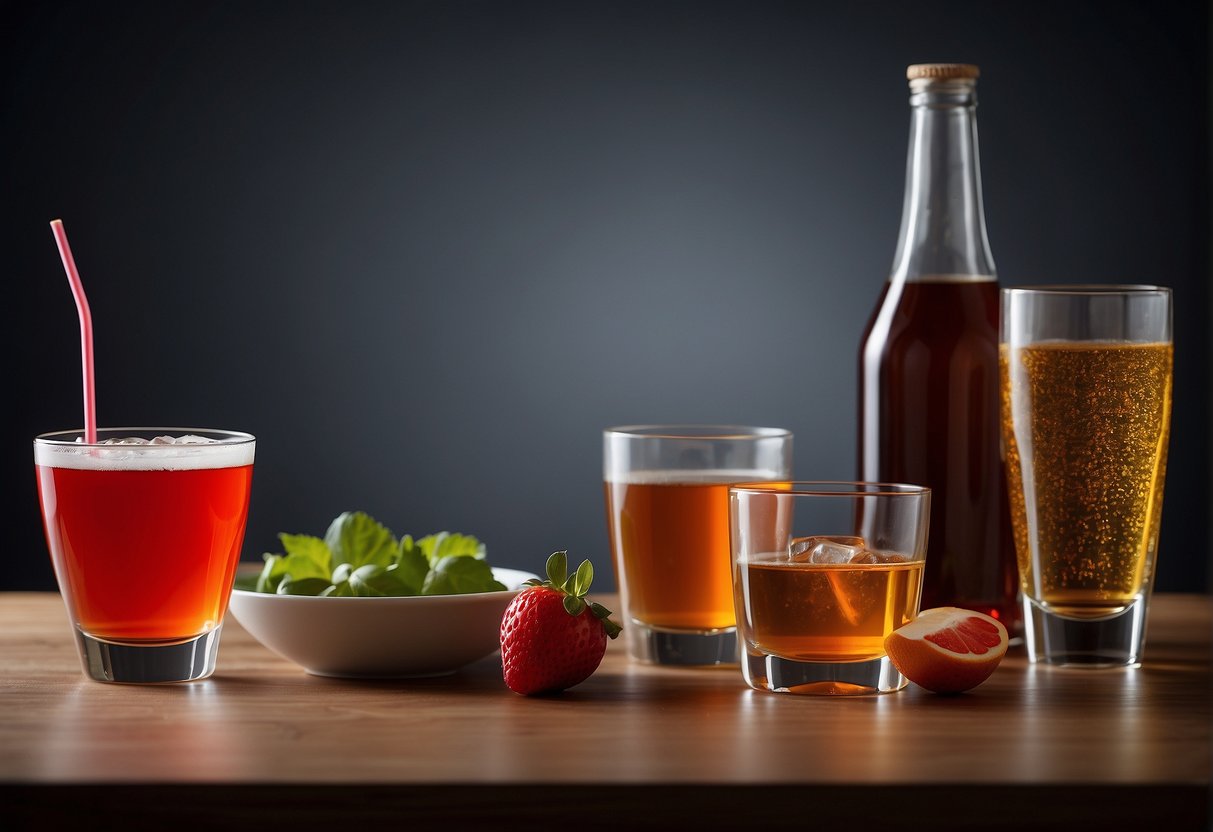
<point>304,560</point>
<point>411,566</point>
<point>304,586</point>
<point>373,581</point>
<point>357,538</point>
<point>557,568</point>
<point>300,567</point>
<point>360,557</point>
<point>457,575</point>
<point>573,605</point>
<point>397,583</point>
<point>447,544</point>
<point>271,574</point>
<point>427,544</point>
<point>342,573</point>
<point>341,590</point>
<point>366,580</point>
<point>583,578</point>
<point>305,547</point>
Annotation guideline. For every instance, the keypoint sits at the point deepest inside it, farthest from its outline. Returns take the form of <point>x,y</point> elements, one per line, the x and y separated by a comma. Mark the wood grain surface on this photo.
<point>633,747</point>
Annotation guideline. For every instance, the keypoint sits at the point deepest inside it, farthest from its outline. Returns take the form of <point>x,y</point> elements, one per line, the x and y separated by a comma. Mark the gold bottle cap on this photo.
<point>941,72</point>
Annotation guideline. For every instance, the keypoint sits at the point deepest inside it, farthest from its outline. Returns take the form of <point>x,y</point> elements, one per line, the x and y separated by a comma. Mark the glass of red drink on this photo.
<point>144,529</point>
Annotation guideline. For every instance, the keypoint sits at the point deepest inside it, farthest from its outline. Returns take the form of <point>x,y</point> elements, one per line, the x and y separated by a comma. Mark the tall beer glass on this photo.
<point>667,496</point>
<point>1086,412</point>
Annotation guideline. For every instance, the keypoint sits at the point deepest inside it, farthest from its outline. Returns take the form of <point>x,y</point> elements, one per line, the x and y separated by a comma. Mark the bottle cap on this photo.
<point>941,72</point>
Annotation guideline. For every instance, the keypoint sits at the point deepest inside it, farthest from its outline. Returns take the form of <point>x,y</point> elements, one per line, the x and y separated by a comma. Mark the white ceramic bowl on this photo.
<point>371,638</point>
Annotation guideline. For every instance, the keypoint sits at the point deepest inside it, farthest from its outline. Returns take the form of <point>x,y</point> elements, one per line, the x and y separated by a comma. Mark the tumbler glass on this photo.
<point>668,515</point>
<point>144,529</point>
<point>822,573</point>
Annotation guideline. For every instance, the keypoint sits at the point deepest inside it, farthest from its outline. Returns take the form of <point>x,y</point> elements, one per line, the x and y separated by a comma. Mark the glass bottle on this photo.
<point>928,362</point>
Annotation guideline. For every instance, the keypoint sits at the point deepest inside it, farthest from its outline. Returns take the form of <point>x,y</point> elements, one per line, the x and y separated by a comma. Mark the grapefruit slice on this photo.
<point>947,649</point>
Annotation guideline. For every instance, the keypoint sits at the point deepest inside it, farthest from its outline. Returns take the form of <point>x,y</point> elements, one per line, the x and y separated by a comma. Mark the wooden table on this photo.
<point>634,747</point>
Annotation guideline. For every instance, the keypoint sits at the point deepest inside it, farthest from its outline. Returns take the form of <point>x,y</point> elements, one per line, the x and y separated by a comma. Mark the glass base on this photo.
<point>778,675</point>
<point>1111,641</point>
<point>149,664</point>
<point>688,648</point>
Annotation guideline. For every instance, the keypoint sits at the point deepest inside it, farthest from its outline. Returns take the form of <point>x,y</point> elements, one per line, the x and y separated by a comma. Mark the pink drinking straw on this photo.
<point>86,331</point>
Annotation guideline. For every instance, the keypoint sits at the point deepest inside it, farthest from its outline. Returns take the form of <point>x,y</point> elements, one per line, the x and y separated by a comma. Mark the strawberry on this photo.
<point>551,639</point>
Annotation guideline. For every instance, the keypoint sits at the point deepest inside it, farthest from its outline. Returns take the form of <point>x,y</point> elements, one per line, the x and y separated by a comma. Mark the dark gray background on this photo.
<point>426,251</point>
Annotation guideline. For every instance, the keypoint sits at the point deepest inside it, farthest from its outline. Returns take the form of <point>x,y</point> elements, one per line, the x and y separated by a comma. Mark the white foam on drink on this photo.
<point>163,453</point>
<point>693,477</point>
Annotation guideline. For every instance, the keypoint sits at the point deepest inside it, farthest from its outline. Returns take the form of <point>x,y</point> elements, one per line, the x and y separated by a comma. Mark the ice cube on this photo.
<point>825,549</point>
<point>188,439</point>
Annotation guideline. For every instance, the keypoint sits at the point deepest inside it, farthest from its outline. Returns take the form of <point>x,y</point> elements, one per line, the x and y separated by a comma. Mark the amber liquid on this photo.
<point>929,416</point>
<point>670,546</point>
<point>826,612</point>
<point>1086,427</point>
<point>145,556</point>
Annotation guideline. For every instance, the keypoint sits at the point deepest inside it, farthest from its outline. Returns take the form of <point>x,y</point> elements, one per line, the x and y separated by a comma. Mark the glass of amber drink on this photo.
<point>1086,414</point>
<point>822,572</point>
<point>144,529</point>
<point>668,517</point>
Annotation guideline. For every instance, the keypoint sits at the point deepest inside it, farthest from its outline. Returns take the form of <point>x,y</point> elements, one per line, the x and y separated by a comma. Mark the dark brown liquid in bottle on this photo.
<point>929,369</point>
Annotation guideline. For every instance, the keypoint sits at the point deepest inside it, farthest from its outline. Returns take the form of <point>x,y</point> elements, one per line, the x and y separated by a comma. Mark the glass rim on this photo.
<point>67,438</point>
<point>733,433</point>
<point>822,488</point>
<point>1082,289</point>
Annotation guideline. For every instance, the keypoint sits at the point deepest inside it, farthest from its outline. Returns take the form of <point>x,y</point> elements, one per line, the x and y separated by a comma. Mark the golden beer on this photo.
<point>1085,426</point>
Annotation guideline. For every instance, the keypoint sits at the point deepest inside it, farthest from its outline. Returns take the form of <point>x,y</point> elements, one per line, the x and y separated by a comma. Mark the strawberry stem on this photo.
<point>575,587</point>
